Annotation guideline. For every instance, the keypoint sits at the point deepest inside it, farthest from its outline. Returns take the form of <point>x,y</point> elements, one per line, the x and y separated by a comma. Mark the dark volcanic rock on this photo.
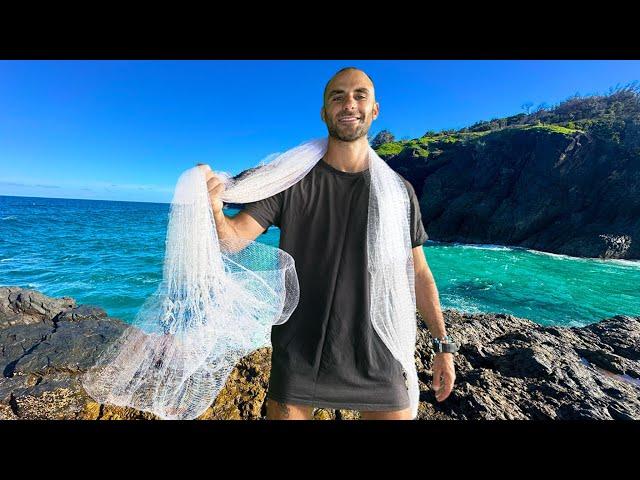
<point>507,367</point>
<point>44,350</point>
<point>512,368</point>
<point>18,306</point>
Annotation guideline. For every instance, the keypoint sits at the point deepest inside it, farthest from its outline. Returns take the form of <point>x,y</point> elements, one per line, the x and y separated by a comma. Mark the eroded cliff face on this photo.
<point>546,188</point>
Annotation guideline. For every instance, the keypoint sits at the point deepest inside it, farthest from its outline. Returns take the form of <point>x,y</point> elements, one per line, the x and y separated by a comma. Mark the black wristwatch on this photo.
<point>445,344</point>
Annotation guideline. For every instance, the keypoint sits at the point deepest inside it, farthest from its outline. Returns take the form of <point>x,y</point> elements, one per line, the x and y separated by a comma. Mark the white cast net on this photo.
<point>219,298</point>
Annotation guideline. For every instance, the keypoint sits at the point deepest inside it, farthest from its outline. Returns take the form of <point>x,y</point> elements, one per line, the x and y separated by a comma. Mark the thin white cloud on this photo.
<point>88,190</point>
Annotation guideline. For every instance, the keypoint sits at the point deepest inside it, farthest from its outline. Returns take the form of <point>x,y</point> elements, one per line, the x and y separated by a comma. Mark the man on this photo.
<point>327,354</point>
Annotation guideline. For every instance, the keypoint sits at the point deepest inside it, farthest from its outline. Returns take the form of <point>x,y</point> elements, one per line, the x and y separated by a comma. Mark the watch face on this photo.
<point>446,344</point>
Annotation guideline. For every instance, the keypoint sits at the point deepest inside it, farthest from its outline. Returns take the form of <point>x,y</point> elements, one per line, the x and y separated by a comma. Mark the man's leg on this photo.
<point>390,415</point>
<point>286,411</point>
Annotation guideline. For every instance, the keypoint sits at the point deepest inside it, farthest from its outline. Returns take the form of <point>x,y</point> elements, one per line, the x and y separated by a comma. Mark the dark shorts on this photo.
<point>333,388</point>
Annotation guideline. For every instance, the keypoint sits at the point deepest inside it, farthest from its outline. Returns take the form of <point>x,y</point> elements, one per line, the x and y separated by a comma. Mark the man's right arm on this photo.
<point>242,225</point>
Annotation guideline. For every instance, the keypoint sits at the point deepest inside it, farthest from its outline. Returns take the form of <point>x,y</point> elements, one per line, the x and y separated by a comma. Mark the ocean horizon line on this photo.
<point>85,199</point>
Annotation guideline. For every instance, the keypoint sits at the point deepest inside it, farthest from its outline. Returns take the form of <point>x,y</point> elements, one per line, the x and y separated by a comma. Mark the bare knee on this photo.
<point>286,411</point>
<point>404,414</point>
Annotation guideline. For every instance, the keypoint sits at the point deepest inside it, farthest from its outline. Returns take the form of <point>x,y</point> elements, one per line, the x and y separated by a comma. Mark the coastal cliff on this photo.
<point>564,180</point>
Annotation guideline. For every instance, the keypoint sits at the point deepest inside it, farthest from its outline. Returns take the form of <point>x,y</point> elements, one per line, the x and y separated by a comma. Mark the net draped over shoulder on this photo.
<point>219,299</point>
<point>327,354</point>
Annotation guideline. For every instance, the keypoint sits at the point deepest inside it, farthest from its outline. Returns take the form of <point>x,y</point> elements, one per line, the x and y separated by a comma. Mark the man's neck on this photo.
<point>349,157</point>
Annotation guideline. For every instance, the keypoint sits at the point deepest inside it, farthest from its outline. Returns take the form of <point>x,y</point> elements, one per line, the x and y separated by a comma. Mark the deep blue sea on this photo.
<point>110,254</point>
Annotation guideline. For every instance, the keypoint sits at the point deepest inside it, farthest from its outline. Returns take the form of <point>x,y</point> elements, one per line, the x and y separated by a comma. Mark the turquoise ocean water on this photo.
<point>110,254</point>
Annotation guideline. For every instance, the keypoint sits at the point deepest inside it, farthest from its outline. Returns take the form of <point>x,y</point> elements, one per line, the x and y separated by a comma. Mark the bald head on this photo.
<point>346,71</point>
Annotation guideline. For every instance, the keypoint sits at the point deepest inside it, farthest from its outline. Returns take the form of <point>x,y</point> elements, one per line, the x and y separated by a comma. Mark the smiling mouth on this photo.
<point>348,120</point>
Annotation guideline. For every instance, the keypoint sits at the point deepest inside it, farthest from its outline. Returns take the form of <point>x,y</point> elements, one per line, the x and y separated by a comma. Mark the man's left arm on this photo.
<point>428,305</point>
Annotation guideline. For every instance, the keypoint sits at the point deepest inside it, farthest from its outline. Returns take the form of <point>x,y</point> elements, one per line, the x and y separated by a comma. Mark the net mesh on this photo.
<point>219,298</point>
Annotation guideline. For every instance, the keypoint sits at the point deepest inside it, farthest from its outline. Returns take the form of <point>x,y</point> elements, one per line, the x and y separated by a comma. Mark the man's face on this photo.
<point>349,106</point>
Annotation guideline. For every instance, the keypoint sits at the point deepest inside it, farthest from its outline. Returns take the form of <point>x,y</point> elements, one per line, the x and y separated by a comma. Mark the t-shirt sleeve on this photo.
<point>267,211</point>
<point>418,233</point>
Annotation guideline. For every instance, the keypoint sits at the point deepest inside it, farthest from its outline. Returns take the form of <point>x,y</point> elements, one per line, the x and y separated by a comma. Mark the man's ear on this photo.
<point>322,114</point>
<point>376,110</point>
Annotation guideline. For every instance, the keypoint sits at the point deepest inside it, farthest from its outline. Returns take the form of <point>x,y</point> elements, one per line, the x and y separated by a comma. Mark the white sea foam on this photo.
<point>481,246</point>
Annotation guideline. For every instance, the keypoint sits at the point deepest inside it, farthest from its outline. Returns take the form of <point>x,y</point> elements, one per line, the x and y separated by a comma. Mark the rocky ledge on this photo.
<point>507,367</point>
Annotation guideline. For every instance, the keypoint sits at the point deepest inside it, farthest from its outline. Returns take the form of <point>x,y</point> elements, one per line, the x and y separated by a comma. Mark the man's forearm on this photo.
<point>428,304</point>
<point>224,226</point>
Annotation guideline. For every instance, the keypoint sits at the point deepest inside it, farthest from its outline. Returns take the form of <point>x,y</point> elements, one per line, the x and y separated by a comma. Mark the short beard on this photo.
<point>359,132</point>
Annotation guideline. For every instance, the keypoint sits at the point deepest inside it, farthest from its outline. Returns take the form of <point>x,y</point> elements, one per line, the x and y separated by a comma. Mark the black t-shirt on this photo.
<point>328,354</point>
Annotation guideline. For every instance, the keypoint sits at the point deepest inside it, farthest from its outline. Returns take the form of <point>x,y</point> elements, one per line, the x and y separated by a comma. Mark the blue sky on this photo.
<point>125,130</point>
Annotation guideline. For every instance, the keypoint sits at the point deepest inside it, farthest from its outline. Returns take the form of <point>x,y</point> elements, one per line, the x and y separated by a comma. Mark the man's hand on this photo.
<point>443,375</point>
<point>215,187</point>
